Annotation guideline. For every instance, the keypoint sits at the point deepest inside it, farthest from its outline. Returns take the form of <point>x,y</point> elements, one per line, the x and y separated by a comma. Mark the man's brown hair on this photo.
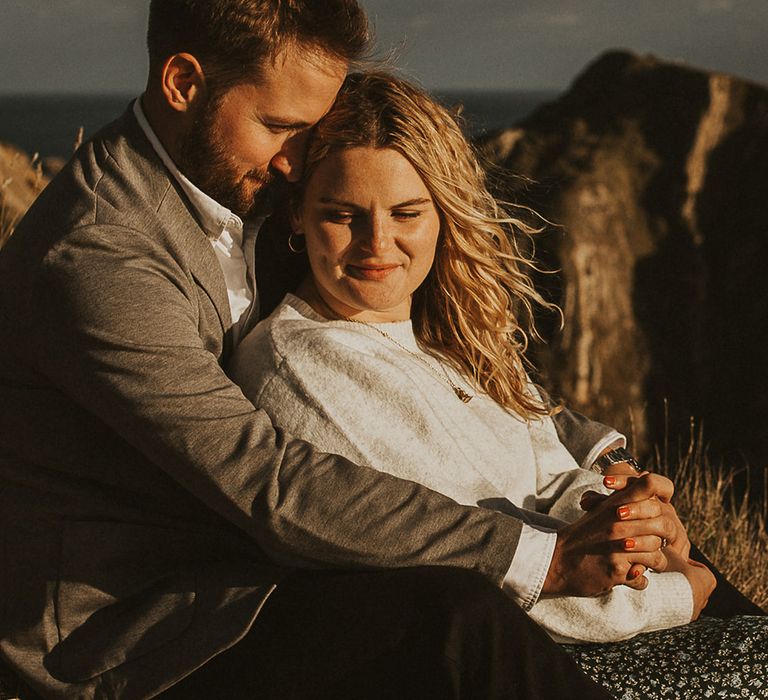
<point>232,38</point>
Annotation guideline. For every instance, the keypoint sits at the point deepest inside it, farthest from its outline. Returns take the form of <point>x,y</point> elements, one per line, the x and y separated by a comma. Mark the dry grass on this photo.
<point>21,180</point>
<point>8,218</point>
<point>728,528</point>
<point>7,221</point>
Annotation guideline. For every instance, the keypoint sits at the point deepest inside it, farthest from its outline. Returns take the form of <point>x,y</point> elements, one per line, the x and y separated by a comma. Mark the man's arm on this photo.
<point>584,438</point>
<point>114,324</point>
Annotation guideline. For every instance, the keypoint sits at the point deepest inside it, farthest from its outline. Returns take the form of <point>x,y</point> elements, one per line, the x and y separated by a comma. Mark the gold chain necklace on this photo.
<point>463,395</point>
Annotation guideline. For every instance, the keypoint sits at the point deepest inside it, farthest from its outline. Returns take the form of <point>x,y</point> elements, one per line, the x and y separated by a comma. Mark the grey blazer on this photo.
<point>147,509</point>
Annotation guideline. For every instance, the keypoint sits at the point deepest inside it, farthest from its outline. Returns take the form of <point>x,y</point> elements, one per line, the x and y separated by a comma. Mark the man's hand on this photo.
<point>622,530</point>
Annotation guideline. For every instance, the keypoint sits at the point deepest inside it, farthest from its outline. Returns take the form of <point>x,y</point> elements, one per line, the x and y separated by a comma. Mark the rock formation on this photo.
<point>658,177</point>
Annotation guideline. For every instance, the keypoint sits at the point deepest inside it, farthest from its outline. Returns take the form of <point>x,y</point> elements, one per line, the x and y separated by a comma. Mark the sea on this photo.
<point>49,124</point>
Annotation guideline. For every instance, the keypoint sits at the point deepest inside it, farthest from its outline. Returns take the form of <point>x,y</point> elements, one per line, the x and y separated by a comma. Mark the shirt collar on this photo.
<point>214,218</point>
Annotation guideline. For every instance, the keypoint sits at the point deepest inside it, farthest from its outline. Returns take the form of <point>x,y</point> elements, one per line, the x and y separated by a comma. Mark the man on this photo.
<point>153,523</point>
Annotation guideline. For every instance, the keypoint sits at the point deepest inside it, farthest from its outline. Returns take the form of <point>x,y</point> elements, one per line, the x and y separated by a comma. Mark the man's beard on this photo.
<point>207,163</point>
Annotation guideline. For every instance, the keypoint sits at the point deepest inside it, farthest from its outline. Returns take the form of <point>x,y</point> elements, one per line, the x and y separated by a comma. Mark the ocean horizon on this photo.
<point>48,124</point>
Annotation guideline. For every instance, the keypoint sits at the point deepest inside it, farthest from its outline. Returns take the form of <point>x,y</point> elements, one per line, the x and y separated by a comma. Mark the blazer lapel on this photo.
<point>197,250</point>
<point>179,226</point>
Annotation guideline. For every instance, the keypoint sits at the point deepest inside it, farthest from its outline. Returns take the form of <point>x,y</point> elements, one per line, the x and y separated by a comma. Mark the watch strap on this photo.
<point>616,456</point>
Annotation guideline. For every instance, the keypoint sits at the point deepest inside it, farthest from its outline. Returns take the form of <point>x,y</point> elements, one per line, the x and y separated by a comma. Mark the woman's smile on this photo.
<point>373,273</point>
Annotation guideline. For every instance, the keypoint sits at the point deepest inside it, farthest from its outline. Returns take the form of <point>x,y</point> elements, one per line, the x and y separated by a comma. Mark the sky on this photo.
<point>97,46</point>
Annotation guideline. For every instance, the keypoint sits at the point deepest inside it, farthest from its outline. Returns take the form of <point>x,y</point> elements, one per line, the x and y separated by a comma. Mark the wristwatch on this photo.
<point>615,457</point>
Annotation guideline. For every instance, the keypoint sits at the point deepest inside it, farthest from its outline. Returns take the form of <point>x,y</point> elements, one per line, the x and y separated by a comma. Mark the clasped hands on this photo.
<point>620,536</point>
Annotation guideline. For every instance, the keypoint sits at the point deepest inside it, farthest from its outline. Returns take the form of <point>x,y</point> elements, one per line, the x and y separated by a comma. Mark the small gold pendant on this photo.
<point>463,395</point>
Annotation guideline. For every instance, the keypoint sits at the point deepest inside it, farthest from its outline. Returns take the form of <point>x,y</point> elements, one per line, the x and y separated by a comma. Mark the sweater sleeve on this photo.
<point>620,614</point>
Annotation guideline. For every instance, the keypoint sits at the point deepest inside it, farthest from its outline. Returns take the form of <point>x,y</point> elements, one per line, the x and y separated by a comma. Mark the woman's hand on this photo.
<point>618,532</point>
<point>700,578</point>
<point>678,540</point>
<point>617,477</point>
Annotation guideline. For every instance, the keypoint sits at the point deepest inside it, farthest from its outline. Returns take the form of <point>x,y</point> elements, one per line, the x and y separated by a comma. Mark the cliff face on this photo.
<point>658,174</point>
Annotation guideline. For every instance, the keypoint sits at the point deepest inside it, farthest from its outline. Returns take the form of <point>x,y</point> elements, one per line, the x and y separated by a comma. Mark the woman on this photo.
<point>403,350</point>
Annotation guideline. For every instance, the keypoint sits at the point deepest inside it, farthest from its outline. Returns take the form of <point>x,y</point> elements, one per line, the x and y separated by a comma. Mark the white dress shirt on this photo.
<point>232,240</point>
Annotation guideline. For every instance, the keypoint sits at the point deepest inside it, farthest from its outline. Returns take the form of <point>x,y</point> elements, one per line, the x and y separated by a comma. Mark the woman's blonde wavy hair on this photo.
<point>475,308</point>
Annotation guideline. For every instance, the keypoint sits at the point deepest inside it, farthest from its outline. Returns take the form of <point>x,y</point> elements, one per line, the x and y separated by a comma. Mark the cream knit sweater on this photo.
<point>348,390</point>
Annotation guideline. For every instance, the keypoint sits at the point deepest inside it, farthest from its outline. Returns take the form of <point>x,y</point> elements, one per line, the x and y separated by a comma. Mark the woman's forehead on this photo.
<point>366,172</point>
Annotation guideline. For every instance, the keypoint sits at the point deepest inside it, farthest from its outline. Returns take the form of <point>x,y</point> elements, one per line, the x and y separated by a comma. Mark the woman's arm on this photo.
<point>586,440</point>
<point>670,599</point>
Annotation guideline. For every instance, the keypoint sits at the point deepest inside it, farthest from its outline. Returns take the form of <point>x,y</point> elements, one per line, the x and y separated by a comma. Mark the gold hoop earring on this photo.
<point>292,242</point>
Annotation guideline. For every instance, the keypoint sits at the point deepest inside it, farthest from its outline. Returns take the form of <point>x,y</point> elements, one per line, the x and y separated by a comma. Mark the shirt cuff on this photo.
<point>526,574</point>
<point>613,440</point>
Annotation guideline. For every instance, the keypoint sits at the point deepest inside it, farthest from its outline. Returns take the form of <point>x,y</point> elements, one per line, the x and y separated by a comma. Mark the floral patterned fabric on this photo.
<point>709,658</point>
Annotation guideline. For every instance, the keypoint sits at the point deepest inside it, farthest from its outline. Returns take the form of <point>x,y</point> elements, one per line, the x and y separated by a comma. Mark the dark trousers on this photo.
<point>726,601</point>
<point>400,634</point>
<point>415,633</point>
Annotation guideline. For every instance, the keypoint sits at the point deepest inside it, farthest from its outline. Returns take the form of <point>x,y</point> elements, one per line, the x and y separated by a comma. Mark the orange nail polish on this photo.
<point>633,574</point>
<point>623,512</point>
<point>629,543</point>
<point>609,480</point>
